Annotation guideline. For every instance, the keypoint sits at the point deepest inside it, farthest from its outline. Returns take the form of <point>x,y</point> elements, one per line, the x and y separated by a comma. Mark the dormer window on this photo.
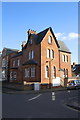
<point>30,42</point>
<point>50,40</point>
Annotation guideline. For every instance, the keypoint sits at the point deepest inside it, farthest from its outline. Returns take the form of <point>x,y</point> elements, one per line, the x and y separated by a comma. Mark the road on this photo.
<point>42,105</point>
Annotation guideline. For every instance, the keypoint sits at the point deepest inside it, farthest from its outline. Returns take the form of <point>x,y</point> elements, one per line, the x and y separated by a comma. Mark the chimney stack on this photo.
<point>23,44</point>
<point>31,32</point>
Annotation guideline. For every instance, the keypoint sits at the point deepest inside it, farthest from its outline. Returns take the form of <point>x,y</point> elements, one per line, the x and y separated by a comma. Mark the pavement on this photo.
<point>74,103</point>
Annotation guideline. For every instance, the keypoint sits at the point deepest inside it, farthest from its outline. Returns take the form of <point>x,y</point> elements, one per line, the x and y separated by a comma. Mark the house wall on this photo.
<point>36,48</point>
<point>45,61</point>
<point>66,65</point>
<point>17,69</point>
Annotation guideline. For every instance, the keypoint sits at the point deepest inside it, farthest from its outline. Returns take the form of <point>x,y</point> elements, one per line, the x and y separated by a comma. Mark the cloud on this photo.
<point>72,35</point>
<point>58,35</point>
<point>69,36</point>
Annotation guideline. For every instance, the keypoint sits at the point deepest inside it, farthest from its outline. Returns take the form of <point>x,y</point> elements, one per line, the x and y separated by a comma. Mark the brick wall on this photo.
<point>66,65</point>
<point>55,62</point>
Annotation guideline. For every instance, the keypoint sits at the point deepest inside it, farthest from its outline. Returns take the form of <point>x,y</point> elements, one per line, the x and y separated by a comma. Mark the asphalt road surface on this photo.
<point>42,105</point>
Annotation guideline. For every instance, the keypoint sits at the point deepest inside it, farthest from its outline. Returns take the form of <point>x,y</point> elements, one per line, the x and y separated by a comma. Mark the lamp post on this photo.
<point>50,75</point>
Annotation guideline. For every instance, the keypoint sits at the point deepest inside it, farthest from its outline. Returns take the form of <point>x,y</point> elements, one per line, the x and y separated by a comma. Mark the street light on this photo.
<point>50,74</point>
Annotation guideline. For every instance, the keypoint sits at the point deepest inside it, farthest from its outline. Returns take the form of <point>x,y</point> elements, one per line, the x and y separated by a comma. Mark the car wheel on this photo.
<point>76,88</point>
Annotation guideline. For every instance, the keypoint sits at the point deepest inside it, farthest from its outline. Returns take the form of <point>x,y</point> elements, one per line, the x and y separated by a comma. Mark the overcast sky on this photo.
<point>18,17</point>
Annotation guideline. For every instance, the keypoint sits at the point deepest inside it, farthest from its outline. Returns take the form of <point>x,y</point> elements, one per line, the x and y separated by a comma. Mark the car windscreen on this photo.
<point>77,81</point>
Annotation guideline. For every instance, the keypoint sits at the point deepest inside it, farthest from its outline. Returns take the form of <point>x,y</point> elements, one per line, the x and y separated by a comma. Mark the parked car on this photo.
<point>73,84</point>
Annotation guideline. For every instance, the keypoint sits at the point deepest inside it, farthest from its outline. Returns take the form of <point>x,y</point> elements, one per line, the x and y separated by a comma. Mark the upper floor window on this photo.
<point>3,62</point>
<point>63,58</point>
<point>33,72</point>
<point>47,72</point>
<point>66,58</point>
<point>14,63</point>
<point>48,53</point>
<point>31,54</point>
<point>27,72</point>
<point>50,39</point>
<point>30,42</point>
<point>18,62</point>
<point>52,54</point>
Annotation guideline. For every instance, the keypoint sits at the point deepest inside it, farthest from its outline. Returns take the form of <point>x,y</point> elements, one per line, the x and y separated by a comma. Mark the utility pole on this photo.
<point>50,74</point>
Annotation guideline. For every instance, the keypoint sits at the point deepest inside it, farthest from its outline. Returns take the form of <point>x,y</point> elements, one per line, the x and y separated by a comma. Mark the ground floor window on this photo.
<point>66,73</point>
<point>54,72</point>
<point>10,75</point>
<point>33,72</point>
<point>3,74</point>
<point>47,72</point>
<point>27,72</point>
<point>30,72</point>
<point>15,75</point>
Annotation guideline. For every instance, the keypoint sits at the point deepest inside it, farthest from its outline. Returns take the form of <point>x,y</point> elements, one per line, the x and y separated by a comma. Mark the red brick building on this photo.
<point>42,59</point>
<point>7,53</point>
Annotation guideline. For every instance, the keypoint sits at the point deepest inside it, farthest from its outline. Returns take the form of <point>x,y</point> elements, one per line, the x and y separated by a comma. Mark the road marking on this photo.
<point>34,97</point>
<point>68,91</point>
<point>53,93</point>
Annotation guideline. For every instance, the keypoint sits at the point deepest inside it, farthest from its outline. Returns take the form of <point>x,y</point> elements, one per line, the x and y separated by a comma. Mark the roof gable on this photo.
<point>39,37</point>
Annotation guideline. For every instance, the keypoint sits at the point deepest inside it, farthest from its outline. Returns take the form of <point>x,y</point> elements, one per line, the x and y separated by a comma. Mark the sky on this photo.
<point>18,17</point>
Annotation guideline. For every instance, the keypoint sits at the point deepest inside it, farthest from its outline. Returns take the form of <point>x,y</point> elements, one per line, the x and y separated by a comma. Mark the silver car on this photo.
<point>73,84</point>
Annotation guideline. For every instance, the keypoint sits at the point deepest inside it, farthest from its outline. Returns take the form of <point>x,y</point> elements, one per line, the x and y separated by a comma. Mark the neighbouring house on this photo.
<point>43,59</point>
<point>75,72</point>
<point>7,53</point>
<point>0,66</point>
<point>76,69</point>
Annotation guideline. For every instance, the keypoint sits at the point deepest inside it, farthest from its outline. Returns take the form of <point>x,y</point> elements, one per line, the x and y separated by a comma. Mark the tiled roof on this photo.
<point>9,50</point>
<point>63,47</point>
<point>17,54</point>
<point>39,37</point>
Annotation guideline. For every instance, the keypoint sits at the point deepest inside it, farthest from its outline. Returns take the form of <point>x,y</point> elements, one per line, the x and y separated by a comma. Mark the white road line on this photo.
<point>34,97</point>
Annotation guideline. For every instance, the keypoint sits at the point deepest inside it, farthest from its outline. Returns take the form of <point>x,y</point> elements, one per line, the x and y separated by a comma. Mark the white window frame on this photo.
<point>32,54</point>
<point>50,40</point>
<point>29,55</point>
<point>3,74</point>
<point>63,57</point>
<point>27,71</point>
<point>66,73</point>
<point>48,53</point>
<point>53,72</point>
<point>11,75</point>
<point>52,54</point>
<point>33,72</point>
<point>46,72</point>
<point>18,62</point>
<point>31,41</point>
<point>3,62</point>
<point>13,63</point>
<point>15,75</point>
<point>66,58</point>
